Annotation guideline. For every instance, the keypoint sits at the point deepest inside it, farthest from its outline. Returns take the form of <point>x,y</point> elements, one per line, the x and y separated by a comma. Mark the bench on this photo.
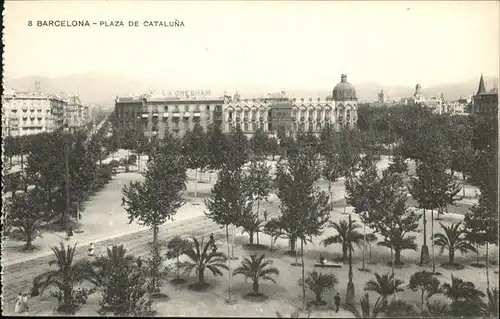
<point>330,264</point>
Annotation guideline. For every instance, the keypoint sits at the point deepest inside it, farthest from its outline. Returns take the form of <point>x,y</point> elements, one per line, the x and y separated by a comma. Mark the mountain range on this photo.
<point>101,88</point>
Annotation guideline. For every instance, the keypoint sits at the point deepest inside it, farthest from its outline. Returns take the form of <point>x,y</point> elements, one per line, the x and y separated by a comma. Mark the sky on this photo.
<point>297,43</point>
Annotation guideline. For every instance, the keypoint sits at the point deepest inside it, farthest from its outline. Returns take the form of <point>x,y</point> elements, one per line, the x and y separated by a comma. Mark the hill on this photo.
<point>101,89</point>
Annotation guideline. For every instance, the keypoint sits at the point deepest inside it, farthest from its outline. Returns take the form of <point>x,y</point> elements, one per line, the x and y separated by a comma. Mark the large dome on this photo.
<point>344,91</point>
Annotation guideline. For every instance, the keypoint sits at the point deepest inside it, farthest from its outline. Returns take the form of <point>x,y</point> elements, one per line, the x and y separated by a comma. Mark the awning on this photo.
<point>165,114</point>
<point>176,114</point>
<point>155,114</point>
<point>196,114</point>
<point>145,116</point>
<point>186,114</point>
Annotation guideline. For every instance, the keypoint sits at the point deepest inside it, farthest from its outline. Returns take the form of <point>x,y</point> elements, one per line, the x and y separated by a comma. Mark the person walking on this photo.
<point>337,302</point>
<point>70,233</point>
<point>91,249</point>
<point>19,300</point>
<point>265,215</point>
<point>25,306</point>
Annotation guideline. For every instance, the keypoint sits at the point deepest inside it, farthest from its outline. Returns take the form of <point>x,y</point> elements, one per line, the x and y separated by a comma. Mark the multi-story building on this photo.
<point>485,102</point>
<point>74,112</point>
<point>31,112</point>
<point>156,114</point>
<point>434,103</point>
<point>291,115</point>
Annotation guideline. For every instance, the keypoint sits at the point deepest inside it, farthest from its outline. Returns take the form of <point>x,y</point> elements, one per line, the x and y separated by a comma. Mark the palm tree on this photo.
<point>202,257</point>
<point>347,235</point>
<point>256,268</point>
<point>318,283</point>
<point>466,298</point>
<point>398,242</point>
<point>116,258</point>
<point>252,225</point>
<point>493,303</point>
<point>379,306</point>
<point>68,274</point>
<point>453,239</point>
<point>384,285</point>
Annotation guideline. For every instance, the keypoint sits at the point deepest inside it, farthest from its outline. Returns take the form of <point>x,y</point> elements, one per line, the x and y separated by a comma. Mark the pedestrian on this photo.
<point>265,215</point>
<point>19,300</point>
<point>91,249</point>
<point>70,233</point>
<point>212,239</point>
<point>25,306</point>
<point>337,302</point>
<point>123,201</point>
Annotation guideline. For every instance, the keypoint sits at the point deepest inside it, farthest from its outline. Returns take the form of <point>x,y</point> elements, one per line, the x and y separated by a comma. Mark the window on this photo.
<point>254,115</point>
<point>230,114</point>
<point>302,115</point>
<point>318,114</point>
<point>207,108</point>
<point>245,127</point>
<point>186,108</point>
<point>197,109</point>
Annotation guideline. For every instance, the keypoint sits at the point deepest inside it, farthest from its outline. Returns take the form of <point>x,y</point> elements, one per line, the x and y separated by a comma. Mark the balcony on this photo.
<point>196,114</point>
<point>165,114</point>
<point>145,115</point>
<point>176,114</point>
<point>186,114</point>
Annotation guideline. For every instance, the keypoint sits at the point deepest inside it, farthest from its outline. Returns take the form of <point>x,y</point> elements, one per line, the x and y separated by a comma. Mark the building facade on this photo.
<point>77,114</point>
<point>436,104</point>
<point>485,102</point>
<point>31,112</point>
<point>156,114</point>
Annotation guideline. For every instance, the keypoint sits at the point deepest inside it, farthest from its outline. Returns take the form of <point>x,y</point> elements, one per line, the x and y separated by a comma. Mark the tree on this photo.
<point>493,302</point>
<point>304,206</point>
<point>347,236</point>
<point>453,239</point>
<point>380,306</point>
<point>391,218</point>
<point>195,151</point>
<point>331,171</point>
<point>228,203</point>
<point>426,282</point>
<point>370,238</point>
<point>155,270</point>
<point>258,143</point>
<point>251,224</point>
<point>25,215</point>
<point>256,268</point>
<point>216,145</point>
<point>466,298</point>
<point>400,309</point>
<point>157,199</point>
<point>44,167</point>
<point>66,277</point>
<point>362,193</point>
<point>176,248</point>
<point>237,150</point>
<point>123,284</point>
<point>201,257</point>
<point>481,226</point>
<point>397,236</point>
<point>258,184</point>
<point>318,283</point>
<point>273,229</point>
<point>384,285</point>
